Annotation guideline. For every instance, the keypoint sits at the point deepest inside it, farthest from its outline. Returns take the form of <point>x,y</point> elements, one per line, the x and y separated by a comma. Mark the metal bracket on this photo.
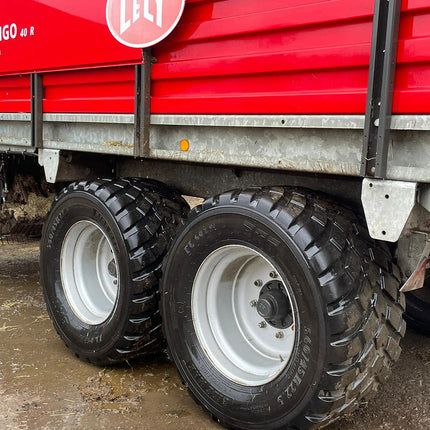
<point>380,90</point>
<point>50,160</point>
<point>387,206</point>
<point>142,107</point>
<point>36,110</point>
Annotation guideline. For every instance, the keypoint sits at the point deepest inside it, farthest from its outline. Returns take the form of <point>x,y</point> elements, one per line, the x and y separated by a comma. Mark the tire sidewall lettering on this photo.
<point>55,224</point>
<point>204,232</point>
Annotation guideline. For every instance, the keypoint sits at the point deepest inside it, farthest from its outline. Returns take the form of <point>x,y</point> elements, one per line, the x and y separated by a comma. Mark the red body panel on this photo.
<point>66,34</point>
<point>15,94</point>
<point>225,57</point>
<point>107,90</point>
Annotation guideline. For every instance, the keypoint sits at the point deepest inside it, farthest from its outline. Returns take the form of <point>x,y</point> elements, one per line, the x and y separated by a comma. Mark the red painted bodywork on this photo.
<point>224,57</point>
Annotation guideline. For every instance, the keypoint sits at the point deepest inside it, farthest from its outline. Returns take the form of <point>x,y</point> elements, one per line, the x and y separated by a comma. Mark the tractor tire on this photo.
<point>101,253</point>
<point>418,307</point>
<point>279,310</point>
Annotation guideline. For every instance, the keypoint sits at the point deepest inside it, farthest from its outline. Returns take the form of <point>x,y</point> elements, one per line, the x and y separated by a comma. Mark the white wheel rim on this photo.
<point>230,330</point>
<point>88,268</point>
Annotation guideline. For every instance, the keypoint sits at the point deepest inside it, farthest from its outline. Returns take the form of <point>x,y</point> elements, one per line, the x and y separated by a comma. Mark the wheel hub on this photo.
<point>274,305</point>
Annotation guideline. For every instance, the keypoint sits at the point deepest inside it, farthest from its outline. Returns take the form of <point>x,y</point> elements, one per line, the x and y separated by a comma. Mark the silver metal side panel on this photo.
<point>320,143</point>
<point>15,132</point>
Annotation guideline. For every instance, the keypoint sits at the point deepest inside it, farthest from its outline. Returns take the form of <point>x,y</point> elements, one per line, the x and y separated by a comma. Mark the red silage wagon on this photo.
<point>281,302</point>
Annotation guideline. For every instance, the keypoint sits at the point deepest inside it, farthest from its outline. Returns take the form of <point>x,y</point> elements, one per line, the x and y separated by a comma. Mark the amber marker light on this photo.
<point>185,145</point>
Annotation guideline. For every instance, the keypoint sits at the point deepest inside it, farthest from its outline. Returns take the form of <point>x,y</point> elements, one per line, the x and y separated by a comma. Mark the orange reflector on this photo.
<point>185,145</point>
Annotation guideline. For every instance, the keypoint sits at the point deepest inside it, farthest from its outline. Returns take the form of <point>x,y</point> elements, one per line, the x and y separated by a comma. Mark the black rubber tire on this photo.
<point>346,290</point>
<point>139,217</point>
<point>418,307</point>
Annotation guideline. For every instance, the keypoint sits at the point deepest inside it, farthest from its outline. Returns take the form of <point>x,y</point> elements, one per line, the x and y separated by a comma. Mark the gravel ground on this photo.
<point>43,386</point>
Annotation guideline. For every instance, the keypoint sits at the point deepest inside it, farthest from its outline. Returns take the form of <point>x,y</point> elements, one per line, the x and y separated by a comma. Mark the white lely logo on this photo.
<point>126,23</point>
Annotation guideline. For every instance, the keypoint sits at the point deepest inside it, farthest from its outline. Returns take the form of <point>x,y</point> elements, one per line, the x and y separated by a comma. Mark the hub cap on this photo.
<point>243,318</point>
<point>274,305</point>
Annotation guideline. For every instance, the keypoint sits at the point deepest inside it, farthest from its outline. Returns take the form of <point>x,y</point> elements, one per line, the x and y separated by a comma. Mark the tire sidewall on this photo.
<point>83,338</point>
<point>290,392</point>
<point>418,312</point>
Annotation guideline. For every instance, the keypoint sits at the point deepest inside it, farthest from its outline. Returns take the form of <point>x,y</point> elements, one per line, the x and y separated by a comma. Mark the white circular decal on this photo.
<point>142,23</point>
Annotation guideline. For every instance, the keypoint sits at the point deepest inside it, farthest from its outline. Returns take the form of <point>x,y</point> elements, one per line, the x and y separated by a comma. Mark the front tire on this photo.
<point>101,253</point>
<point>302,356</point>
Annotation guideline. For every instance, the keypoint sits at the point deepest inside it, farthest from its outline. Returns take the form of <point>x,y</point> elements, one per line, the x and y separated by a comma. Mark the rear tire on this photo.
<point>101,254</point>
<point>418,307</point>
<point>339,286</point>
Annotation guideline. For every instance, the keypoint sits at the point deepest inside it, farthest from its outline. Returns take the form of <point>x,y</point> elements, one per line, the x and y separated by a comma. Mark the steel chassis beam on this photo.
<point>380,88</point>
<point>36,110</point>
<point>142,105</point>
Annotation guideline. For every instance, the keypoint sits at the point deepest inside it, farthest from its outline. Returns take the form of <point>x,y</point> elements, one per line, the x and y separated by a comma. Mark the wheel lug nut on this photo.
<point>115,282</point>
<point>262,324</point>
<point>279,335</point>
<point>273,274</point>
<point>253,303</point>
<point>258,283</point>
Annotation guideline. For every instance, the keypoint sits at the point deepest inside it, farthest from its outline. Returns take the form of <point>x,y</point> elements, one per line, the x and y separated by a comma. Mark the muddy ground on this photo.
<point>43,386</point>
